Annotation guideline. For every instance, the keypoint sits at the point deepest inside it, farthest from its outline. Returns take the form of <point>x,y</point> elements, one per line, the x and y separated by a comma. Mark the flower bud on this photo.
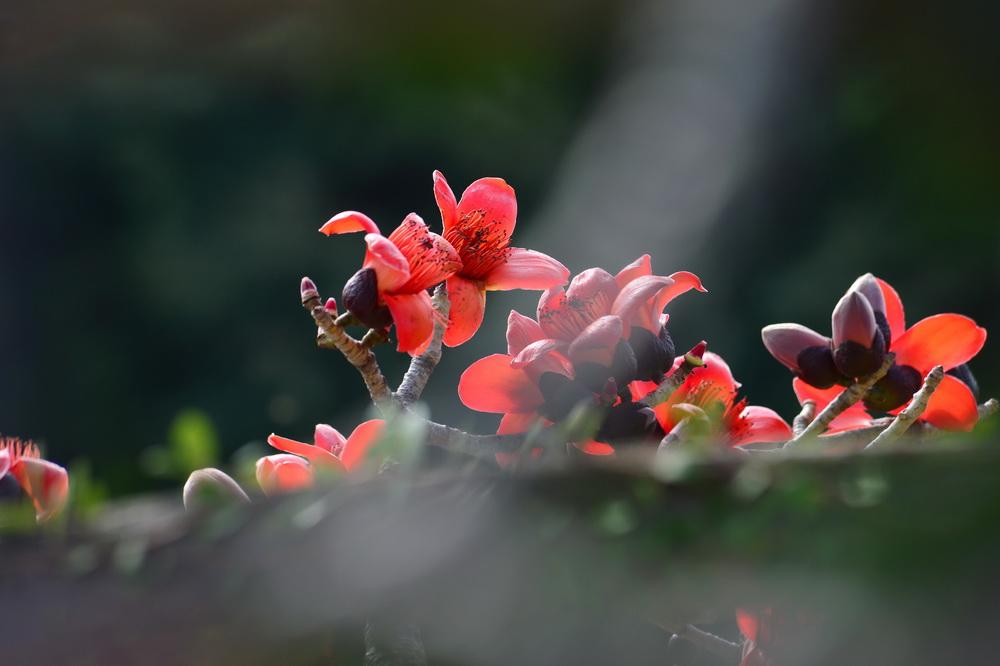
<point>360,297</point>
<point>654,354</point>
<point>816,368</point>
<point>629,423</point>
<point>331,306</point>
<point>307,289</point>
<point>212,487</point>
<point>895,389</point>
<point>859,346</point>
<point>867,285</point>
<point>787,342</point>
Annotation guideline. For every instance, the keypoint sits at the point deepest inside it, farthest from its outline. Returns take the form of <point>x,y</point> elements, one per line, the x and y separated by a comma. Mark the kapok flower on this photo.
<point>708,395</point>
<point>294,469</point>
<point>580,351</point>
<point>949,340</point>
<point>479,227</point>
<point>391,287</point>
<point>44,483</point>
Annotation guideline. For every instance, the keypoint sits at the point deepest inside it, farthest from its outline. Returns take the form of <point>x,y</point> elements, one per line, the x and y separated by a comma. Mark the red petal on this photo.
<point>491,385</point>
<point>4,462</point>
<point>468,303</point>
<point>328,438</point>
<point>597,342</point>
<point>283,473</point>
<point>944,339</point>
<point>854,417</point>
<point>348,222</point>
<point>360,441</point>
<point>494,199</point>
<point>952,406</point>
<point>747,622</point>
<point>893,309</point>
<point>413,315</point>
<point>521,332</point>
<point>595,448</point>
<point>527,269</point>
<point>536,351</point>
<point>430,257</point>
<point>445,200</point>
<point>308,451</point>
<point>45,483</point>
<point>760,424</point>
<point>564,314</point>
<point>634,303</point>
<point>514,423</point>
<point>392,270</point>
<point>636,269</point>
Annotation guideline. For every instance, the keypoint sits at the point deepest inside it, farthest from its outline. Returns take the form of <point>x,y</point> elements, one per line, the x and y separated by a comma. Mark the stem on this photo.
<point>711,643</point>
<point>912,412</point>
<point>848,397</point>
<point>804,418</point>
<point>988,408</point>
<point>693,359</point>
<point>422,366</point>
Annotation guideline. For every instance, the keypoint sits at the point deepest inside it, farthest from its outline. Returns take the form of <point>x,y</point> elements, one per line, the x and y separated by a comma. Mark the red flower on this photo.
<point>589,342</point>
<point>949,340</point>
<point>44,483</point>
<point>709,394</point>
<point>284,472</point>
<point>479,226</point>
<point>392,285</point>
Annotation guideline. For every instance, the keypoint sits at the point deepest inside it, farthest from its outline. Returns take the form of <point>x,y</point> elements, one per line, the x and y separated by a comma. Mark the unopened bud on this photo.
<point>859,346</point>
<point>307,289</point>
<point>787,342</point>
<point>360,297</point>
<point>331,306</point>
<point>212,487</point>
<point>867,285</point>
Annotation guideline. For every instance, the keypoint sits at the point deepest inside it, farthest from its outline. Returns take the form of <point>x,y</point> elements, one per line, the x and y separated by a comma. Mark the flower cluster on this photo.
<point>23,472</point>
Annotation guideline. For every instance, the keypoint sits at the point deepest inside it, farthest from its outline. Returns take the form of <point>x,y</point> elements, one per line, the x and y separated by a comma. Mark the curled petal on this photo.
<point>45,483</point>
<point>597,342</point>
<point>944,339</point>
<point>759,424</point>
<point>491,385</point>
<point>634,304</point>
<point>893,309</point>
<point>283,473</point>
<point>952,406</point>
<point>521,332</point>
<point>787,341</point>
<point>348,222</point>
<point>638,268</point>
<point>445,200</point>
<point>328,438</point>
<point>468,304</point>
<point>527,269</point>
<point>413,315</point>
<point>391,268</point>
<point>430,257</point>
<point>308,451</point>
<point>852,418</point>
<point>360,441</point>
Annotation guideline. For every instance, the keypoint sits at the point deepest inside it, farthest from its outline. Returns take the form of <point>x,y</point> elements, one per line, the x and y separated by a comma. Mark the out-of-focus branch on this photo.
<point>422,366</point>
<point>357,354</point>
<point>693,359</point>
<point>709,642</point>
<point>988,408</point>
<point>804,417</point>
<point>908,416</point>
<point>849,396</point>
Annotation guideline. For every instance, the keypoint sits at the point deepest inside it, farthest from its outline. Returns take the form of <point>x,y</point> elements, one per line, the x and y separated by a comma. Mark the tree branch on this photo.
<point>709,642</point>
<point>693,359</point>
<point>357,354</point>
<point>804,418</point>
<point>847,397</point>
<point>908,416</point>
<point>422,366</point>
<point>988,408</point>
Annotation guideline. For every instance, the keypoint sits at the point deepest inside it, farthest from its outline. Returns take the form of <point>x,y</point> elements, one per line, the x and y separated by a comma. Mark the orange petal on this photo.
<point>491,385</point>
<point>852,418</point>
<point>348,222</point>
<point>392,270</point>
<point>944,339</point>
<point>514,423</point>
<point>893,309</point>
<point>430,257</point>
<point>521,332</point>
<point>313,453</point>
<point>468,304</point>
<point>445,200</point>
<point>594,448</point>
<point>494,200</point>
<point>360,441</point>
<point>413,315</point>
<point>282,473</point>
<point>638,268</point>
<point>760,424</point>
<point>328,438</point>
<point>952,406</point>
<point>748,624</point>
<point>45,483</point>
<point>527,269</point>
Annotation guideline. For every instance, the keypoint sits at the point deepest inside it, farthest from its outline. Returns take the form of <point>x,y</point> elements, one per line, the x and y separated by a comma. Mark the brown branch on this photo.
<point>804,418</point>
<point>988,408</point>
<point>709,642</point>
<point>908,416</point>
<point>693,359</point>
<point>422,366</point>
<point>333,334</point>
<point>849,396</point>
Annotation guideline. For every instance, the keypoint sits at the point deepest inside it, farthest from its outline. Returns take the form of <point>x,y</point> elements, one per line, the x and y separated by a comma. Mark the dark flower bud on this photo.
<point>858,344</point>
<point>787,342</point>
<point>593,376</point>
<point>856,360</point>
<point>654,354</point>
<point>816,368</point>
<point>360,297</point>
<point>629,423</point>
<point>964,375</point>
<point>895,389</point>
<point>867,285</point>
<point>623,364</point>
<point>561,395</point>
<point>669,348</point>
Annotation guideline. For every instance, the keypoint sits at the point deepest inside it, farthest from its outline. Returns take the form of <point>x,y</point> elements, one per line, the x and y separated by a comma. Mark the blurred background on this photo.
<point>164,167</point>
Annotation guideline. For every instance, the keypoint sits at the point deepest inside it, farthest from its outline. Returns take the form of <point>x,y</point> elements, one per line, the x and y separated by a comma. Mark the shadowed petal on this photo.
<point>491,385</point>
<point>468,304</point>
<point>944,339</point>
<point>597,342</point>
<point>514,423</point>
<point>521,332</point>
<point>45,483</point>
<point>787,341</point>
<point>760,424</point>
<point>952,406</point>
<point>854,417</point>
<point>527,269</point>
<point>360,441</point>
<point>348,222</point>
<point>536,351</point>
<point>391,268</point>
<point>594,448</point>
<point>210,484</point>
<point>638,268</point>
<point>413,315</point>
<point>894,313</point>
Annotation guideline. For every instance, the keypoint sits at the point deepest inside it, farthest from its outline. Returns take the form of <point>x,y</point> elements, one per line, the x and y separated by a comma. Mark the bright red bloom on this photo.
<point>284,472</point>
<point>398,270</point>
<point>479,227</point>
<point>709,392</point>
<point>44,483</point>
<point>949,340</point>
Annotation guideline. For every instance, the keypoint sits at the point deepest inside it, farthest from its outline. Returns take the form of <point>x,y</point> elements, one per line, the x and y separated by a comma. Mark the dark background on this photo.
<point>164,167</point>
